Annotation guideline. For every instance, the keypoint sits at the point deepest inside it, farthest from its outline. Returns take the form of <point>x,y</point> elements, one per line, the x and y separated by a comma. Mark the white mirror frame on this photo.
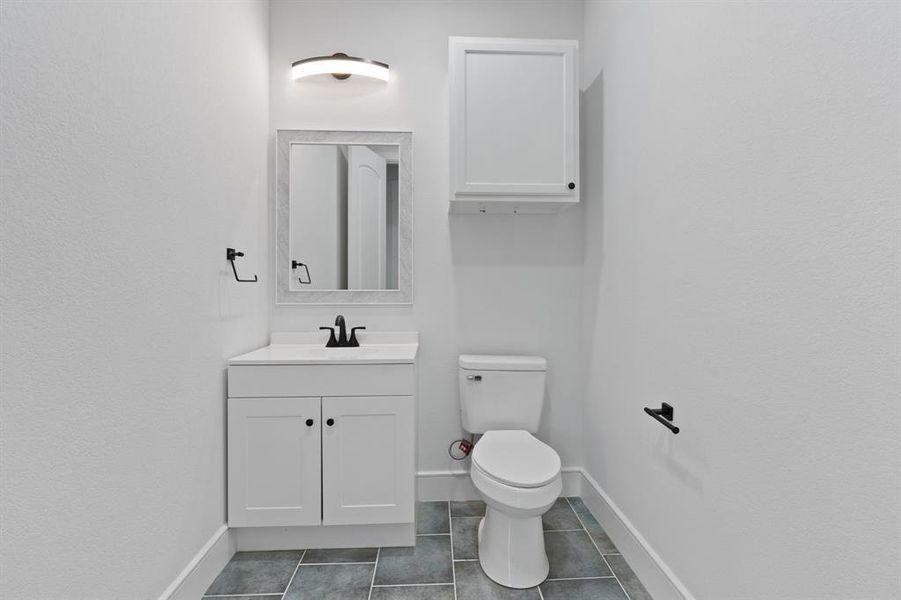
<point>404,292</point>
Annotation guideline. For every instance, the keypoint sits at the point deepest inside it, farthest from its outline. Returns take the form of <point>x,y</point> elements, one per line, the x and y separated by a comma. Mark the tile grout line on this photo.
<point>450,529</point>
<point>579,578</point>
<point>593,543</point>
<point>279,594</point>
<point>394,585</point>
<point>616,578</point>
<point>362,562</point>
<point>374,569</point>
<point>293,575</point>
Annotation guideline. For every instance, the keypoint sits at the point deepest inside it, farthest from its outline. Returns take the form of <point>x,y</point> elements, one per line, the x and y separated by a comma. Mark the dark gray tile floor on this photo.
<point>585,565</point>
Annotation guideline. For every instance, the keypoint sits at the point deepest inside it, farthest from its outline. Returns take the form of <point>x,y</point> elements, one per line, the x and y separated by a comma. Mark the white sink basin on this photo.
<point>309,349</point>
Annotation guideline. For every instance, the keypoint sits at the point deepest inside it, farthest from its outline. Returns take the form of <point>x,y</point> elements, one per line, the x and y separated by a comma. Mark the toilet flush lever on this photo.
<point>474,378</point>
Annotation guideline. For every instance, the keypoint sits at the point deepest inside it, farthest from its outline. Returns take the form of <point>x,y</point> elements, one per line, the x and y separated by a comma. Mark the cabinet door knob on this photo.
<point>309,422</point>
<point>571,185</point>
<point>330,422</point>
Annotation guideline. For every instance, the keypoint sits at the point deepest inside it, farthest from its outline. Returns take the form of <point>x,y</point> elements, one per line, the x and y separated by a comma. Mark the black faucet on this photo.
<point>342,341</point>
<point>342,331</point>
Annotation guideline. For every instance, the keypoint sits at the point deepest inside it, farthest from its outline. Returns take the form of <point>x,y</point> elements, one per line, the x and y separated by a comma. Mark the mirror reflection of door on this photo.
<point>366,219</point>
<point>343,214</point>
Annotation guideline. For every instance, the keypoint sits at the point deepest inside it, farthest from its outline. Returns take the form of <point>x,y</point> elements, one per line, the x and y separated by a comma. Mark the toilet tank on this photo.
<point>501,392</point>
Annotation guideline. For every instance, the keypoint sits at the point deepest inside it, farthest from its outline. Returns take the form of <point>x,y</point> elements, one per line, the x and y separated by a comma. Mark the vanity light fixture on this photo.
<point>339,66</point>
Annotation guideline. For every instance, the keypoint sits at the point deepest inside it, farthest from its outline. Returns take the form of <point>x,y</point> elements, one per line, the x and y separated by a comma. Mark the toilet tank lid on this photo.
<point>493,362</point>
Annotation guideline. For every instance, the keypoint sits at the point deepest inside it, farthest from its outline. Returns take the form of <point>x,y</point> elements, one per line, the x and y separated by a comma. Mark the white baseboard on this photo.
<point>200,572</point>
<point>457,485</point>
<point>445,485</point>
<point>657,577</point>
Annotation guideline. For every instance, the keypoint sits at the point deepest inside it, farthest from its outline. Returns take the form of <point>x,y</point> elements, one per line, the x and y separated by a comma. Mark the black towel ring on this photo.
<point>231,254</point>
<point>294,265</point>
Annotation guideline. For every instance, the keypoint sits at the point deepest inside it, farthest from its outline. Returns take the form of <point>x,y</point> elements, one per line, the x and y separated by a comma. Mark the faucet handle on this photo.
<point>332,342</point>
<point>353,343</point>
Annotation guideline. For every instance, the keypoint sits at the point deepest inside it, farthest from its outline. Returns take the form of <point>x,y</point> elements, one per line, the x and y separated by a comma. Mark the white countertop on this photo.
<point>308,348</point>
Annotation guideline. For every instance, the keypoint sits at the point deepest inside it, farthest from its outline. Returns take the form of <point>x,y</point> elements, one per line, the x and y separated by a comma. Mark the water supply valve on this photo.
<point>460,449</point>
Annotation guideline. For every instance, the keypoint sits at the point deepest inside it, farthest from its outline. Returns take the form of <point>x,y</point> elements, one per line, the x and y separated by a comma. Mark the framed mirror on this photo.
<point>344,217</point>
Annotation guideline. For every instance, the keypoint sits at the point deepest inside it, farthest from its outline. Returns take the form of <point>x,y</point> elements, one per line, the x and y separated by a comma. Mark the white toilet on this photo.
<point>516,474</point>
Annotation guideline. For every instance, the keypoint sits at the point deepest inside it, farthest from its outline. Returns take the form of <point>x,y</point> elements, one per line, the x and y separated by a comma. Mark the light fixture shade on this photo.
<point>339,66</point>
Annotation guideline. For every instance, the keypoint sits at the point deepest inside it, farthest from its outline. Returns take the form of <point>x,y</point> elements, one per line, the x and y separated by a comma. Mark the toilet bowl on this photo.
<point>518,476</point>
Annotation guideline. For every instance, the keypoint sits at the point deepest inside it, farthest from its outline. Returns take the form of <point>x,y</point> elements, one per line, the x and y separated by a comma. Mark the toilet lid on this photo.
<point>516,458</point>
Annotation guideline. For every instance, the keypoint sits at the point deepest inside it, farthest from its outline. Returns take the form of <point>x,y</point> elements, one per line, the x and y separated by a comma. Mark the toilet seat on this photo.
<point>516,458</point>
<point>516,500</point>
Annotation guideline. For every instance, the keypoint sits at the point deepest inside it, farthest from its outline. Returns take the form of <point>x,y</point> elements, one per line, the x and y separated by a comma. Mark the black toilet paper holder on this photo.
<point>664,415</point>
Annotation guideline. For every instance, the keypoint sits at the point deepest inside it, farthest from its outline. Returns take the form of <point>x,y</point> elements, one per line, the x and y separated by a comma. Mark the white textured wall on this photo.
<point>742,264</point>
<point>134,141</point>
<point>504,284</point>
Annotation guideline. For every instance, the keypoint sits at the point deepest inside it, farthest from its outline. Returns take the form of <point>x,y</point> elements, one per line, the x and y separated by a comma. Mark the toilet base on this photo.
<point>511,549</point>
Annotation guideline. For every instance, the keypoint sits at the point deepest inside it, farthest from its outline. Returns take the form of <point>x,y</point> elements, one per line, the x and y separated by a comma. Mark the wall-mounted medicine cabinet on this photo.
<point>514,136</point>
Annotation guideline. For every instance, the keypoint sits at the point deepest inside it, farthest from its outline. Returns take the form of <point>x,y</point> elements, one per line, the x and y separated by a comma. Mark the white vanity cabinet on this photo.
<point>514,136</point>
<point>320,437</point>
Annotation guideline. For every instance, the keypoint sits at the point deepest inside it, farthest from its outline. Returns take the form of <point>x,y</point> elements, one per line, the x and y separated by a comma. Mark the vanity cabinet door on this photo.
<point>368,460</point>
<point>274,461</point>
